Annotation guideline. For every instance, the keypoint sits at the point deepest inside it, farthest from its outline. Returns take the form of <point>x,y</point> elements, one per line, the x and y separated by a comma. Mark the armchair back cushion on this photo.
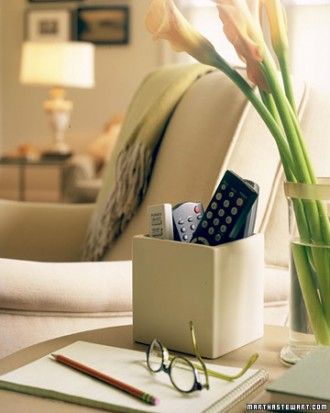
<point>212,129</point>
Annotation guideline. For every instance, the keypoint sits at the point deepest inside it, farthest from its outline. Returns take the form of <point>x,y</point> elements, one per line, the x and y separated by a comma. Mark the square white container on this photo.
<point>221,289</point>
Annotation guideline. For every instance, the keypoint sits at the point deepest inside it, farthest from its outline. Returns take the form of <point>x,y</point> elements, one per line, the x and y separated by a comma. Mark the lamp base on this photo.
<point>60,147</point>
<point>59,113</point>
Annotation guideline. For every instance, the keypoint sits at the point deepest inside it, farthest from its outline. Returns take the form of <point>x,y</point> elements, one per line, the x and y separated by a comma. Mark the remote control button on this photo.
<point>214,205</point>
<point>190,219</point>
<point>197,209</point>
<point>181,222</point>
<point>183,229</point>
<point>216,221</point>
<point>223,228</point>
<point>234,211</point>
<point>211,231</point>
<point>185,237</point>
<point>218,196</point>
<point>226,203</point>
<point>229,220</point>
<point>157,232</point>
<point>203,240</point>
<point>221,213</point>
<point>239,202</point>
<point>205,224</point>
<point>231,194</point>
<point>209,215</point>
<point>193,227</point>
<point>217,237</point>
<point>156,220</point>
<point>200,216</point>
<point>223,187</point>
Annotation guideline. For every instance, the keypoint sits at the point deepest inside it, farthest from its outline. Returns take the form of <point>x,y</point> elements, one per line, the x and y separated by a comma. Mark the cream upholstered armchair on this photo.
<point>44,293</point>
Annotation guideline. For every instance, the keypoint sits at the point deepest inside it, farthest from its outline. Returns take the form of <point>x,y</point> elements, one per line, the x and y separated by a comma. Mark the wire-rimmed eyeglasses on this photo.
<point>184,374</point>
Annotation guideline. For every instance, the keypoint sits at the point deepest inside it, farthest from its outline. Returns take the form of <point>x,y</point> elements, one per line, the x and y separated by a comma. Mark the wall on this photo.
<point>309,36</point>
<point>1,75</point>
<point>119,70</point>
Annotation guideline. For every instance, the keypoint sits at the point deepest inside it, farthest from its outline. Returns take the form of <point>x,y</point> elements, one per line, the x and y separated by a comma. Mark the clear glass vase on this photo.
<point>309,225</point>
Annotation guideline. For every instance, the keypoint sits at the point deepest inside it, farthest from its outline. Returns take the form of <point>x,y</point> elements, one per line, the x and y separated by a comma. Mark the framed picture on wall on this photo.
<point>108,25</point>
<point>48,25</point>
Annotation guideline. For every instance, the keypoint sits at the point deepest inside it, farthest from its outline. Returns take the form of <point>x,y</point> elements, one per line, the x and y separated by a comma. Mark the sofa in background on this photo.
<point>212,129</point>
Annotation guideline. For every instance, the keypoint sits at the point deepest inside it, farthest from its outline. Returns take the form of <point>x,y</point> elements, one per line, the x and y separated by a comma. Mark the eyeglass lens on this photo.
<point>182,374</point>
<point>155,356</point>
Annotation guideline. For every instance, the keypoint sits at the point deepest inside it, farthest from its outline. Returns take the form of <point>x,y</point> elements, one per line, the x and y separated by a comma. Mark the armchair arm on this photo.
<point>43,232</point>
<point>86,190</point>
<point>84,287</point>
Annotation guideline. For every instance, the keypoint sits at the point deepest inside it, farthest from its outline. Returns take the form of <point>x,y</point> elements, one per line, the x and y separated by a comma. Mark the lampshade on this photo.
<point>65,64</point>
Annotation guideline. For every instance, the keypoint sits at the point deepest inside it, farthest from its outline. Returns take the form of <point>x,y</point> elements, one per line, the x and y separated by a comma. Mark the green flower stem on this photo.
<point>268,101</point>
<point>321,263</point>
<point>321,256</point>
<point>283,61</point>
<point>302,172</point>
<point>319,310</point>
<point>302,145</point>
<point>327,275</point>
<point>282,57</point>
<point>301,219</point>
<point>319,323</point>
<point>324,222</point>
<point>275,130</point>
<point>322,212</point>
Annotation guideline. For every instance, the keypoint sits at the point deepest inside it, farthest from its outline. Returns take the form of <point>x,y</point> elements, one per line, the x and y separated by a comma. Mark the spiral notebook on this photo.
<point>47,378</point>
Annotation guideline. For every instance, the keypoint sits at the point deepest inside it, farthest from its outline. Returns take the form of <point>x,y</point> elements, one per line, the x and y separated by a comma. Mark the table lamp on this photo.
<point>59,65</point>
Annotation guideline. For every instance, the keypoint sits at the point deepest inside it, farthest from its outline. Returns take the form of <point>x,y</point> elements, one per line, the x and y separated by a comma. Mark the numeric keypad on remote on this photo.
<point>226,212</point>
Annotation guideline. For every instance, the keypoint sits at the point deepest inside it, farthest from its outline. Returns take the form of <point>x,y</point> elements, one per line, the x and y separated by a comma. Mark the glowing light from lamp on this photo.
<point>67,64</point>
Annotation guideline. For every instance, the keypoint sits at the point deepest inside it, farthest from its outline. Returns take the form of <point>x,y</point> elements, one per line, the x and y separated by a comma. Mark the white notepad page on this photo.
<point>48,378</point>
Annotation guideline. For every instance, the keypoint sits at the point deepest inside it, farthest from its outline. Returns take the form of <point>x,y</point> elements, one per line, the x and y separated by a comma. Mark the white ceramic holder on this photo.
<point>221,289</point>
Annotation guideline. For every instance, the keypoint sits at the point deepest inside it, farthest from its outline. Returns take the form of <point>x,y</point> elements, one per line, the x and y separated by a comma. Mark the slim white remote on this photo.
<point>160,221</point>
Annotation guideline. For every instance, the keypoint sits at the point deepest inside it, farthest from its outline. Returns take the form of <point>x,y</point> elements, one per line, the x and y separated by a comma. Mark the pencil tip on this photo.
<point>53,355</point>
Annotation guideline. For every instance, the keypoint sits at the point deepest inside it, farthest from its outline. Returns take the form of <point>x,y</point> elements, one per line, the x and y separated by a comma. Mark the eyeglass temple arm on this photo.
<point>198,356</point>
<point>228,377</point>
<point>213,373</point>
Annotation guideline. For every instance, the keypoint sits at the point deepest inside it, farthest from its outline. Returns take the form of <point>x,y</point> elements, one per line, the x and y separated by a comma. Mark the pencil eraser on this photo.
<point>156,401</point>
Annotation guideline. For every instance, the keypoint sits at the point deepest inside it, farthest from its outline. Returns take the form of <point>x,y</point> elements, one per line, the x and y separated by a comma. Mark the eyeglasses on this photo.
<point>184,374</point>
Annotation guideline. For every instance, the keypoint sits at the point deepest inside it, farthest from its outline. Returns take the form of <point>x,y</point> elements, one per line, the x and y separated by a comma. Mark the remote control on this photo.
<point>227,211</point>
<point>248,228</point>
<point>186,217</point>
<point>160,221</point>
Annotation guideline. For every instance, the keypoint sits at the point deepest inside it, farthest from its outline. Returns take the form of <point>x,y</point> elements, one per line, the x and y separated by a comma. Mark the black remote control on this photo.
<point>227,211</point>
<point>248,228</point>
<point>186,217</point>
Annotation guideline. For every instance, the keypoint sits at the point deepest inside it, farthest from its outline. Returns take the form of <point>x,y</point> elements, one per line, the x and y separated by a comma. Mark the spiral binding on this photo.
<point>239,393</point>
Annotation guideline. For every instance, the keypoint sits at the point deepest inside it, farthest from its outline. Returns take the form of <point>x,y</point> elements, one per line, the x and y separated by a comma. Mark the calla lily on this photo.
<point>278,31</point>
<point>165,21</point>
<point>241,26</point>
<point>277,24</point>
